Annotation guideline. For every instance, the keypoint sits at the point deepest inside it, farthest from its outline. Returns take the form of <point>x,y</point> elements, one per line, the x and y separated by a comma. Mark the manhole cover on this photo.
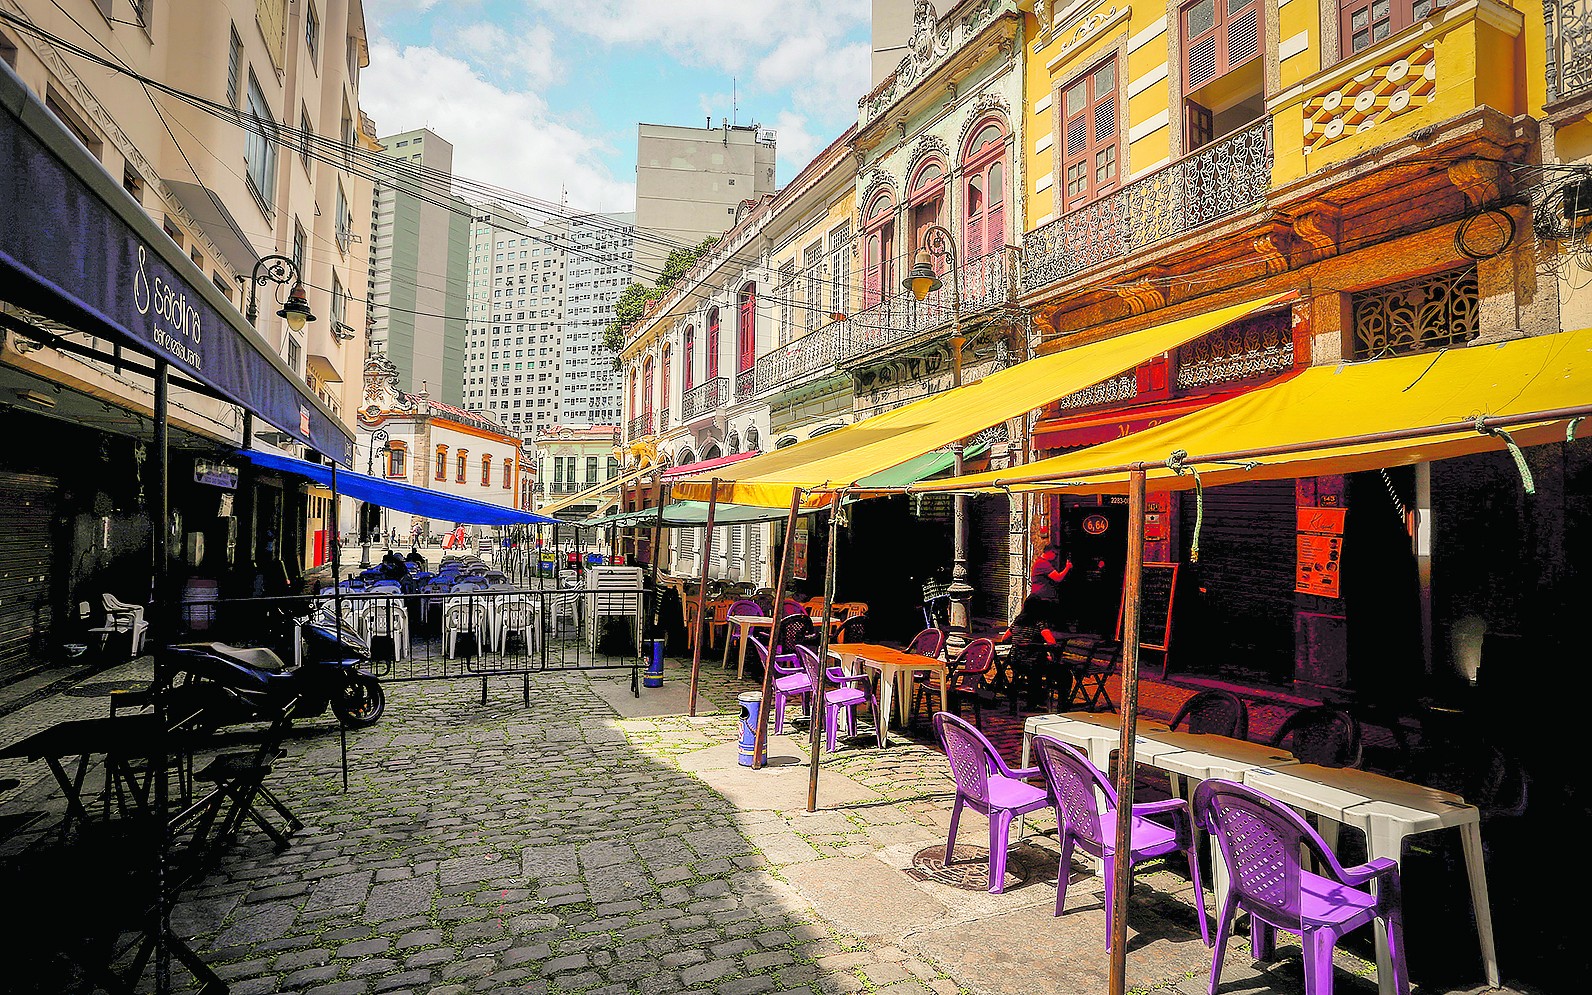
<point>968,870</point>
<point>99,689</point>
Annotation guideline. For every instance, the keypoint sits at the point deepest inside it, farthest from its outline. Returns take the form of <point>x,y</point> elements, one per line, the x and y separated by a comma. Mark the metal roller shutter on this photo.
<point>989,541</point>
<point>27,550</point>
<point>1246,577</point>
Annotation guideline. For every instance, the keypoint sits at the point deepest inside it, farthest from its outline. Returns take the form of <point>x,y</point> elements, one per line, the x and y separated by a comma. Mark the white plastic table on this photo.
<point>1388,810</point>
<point>1095,733</point>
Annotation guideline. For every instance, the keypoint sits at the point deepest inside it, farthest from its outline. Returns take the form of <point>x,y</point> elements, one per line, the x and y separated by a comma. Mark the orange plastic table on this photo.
<point>895,668</point>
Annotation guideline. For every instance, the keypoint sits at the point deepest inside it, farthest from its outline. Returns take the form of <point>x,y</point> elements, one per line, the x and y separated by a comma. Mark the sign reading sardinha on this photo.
<point>177,324</point>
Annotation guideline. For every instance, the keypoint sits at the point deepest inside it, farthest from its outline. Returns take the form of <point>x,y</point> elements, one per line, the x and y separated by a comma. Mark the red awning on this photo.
<point>697,469</point>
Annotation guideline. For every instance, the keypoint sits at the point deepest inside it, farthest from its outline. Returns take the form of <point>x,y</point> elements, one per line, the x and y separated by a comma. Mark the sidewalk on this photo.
<point>594,842</point>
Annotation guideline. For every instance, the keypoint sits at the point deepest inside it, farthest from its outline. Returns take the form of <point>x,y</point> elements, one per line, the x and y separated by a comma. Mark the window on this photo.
<point>878,249</point>
<point>345,220</point>
<point>295,354</point>
<point>312,33</point>
<point>172,231</point>
<point>8,51</point>
<point>926,197</point>
<point>462,465</point>
<point>234,68</point>
<point>663,383</point>
<point>591,470</point>
<point>132,182</point>
<point>63,112</point>
<point>221,284</point>
<point>508,468</point>
<point>486,470</point>
<point>713,344</point>
<point>1431,312</point>
<point>688,363</point>
<point>746,329</point>
<point>1363,23</point>
<point>299,241</point>
<point>259,148</point>
<point>840,269</point>
<point>397,463</point>
<point>1089,136</point>
<point>646,387</point>
<point>442,462</point>
<point>1218,37</point>
<point>197,257</point>
<point>339,305</point>
<point>305,130</point>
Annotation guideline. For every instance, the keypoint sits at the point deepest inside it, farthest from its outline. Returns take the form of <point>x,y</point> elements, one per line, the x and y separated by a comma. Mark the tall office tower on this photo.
<point>599,269</point>
<point>689,182</point>
<point>419,265</point>
<point>513,339</point>
<point>892,31</point>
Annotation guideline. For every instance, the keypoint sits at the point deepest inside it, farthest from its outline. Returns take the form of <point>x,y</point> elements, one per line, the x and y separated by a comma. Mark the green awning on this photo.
<point>920,467</point>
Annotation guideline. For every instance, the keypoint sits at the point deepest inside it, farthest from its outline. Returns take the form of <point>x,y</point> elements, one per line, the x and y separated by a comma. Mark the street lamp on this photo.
<point>283,271</point>
<point>920,282</point>
<point>377,438</point>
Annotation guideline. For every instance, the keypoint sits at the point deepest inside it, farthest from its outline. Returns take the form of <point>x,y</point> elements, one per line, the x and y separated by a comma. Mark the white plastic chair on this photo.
<point>123,617</point>
<point>463,615</point>
<point>388,617</point>
<point>517,615</point>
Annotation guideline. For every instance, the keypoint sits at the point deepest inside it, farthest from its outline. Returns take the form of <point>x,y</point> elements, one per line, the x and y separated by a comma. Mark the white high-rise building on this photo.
<point>515,318</point>
<point>599,269</point>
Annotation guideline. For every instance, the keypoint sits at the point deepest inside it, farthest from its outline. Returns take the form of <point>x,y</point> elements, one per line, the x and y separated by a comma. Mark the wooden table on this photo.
<point>743,626</point>
<point>895,668</point>
<point>120,739</point>
<point>1387,811</point>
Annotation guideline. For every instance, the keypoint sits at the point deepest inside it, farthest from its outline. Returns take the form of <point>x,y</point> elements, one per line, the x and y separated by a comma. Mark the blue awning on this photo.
<point>399,496</point>
<point>76,248</point>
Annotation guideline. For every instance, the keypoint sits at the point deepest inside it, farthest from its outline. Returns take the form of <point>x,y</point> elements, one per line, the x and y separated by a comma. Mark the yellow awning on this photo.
<point>1304,426</point>
<point>841,458</point>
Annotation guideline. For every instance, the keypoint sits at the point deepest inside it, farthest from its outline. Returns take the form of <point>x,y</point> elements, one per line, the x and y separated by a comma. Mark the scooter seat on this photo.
<point>255,657</point>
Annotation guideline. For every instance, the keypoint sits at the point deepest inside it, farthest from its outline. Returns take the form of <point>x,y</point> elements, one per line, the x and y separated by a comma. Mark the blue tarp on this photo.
<point>400,497</point>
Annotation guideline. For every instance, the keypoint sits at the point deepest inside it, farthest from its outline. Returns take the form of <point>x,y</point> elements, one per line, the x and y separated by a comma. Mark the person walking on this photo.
<point>1046,575</point>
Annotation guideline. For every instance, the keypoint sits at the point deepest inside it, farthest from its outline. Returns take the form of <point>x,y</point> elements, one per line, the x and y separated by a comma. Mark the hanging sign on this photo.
<point>799,553</point>
<point>223,475</point>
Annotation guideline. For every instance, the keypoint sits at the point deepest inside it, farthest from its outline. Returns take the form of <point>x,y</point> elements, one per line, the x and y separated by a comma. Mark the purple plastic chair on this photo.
<point>791,679</point>
<point>929,642</point>
<point>848,692</point>
<point>1261,840</point>
<point>985,784</point>
<point>742,607</point>
<point>1073,781</point>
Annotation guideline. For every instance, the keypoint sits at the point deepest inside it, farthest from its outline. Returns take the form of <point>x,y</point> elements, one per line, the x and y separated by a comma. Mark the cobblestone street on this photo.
<point>570,847</point>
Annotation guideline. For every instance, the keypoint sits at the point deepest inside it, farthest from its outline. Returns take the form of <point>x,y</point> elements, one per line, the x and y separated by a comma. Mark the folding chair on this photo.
<point>1101,664</point>
<point>238,779</point>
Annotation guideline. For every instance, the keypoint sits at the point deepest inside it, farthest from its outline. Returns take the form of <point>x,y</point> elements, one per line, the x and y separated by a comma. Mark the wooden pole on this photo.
<point>1122,868</point>
<point>760,741</point>
<point>168,614</point>
<point>652,580</point>
<point>702,595</point>
<point>816,721</point>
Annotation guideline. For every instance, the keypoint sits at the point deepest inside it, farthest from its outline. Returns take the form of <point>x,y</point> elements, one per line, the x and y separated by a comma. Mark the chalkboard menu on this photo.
<point>1155,606</point>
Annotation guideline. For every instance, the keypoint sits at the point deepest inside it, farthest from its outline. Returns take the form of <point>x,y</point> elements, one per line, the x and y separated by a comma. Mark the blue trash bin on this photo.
<point>654,678</point>
<point>751,706</point>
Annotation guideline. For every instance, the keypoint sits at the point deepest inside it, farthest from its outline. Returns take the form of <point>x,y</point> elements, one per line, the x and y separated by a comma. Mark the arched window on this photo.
<point>711,451</point>
<point>686,458</point>
<point>397,460</point>
<point>926,197</point>
<point>663,380</point>
<point>688,365</point>
<point>646,386</point>
<point>486,470</point>
<point>713,345</point>
<point>746,329</point>
<point>442,462</point>
<point>984,192</point>
<point>634,411</point>
<point>878,249</point>
<point>462,463</point>
<point>508,472</point>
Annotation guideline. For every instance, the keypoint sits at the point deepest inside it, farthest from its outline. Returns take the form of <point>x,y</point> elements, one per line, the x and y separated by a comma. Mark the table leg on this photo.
<point>740,672</point>
<point>726,646</point>
<point>1476,871</point>
<point>1382,839</point>
<point>71,788</point>
<point>886,700</point>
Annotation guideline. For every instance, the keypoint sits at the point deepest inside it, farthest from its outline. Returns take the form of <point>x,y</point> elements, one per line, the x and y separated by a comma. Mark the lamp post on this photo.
<point>377,438</point>
<point>283,271</point>
<point>922,281</point>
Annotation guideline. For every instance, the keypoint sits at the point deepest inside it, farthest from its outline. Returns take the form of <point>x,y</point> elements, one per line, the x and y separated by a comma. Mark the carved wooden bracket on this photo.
<point>1273,245</point>
<point>1481,181</point>
<point>1142,296</point>
<point>1319,227</point>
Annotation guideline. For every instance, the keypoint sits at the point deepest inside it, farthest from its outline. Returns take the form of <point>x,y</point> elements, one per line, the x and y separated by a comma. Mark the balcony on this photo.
<point>985,285</point>
<point>1223,178</point>
<point>704,399</point>
<point>1569,48</point>
<point>743,384</point>
<point>1418,78</point>
<point>801,359</point>
<point>641,425</point>
<point>663,421</point>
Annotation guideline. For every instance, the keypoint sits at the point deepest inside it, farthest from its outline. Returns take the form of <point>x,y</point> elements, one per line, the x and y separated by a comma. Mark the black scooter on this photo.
<point>225,685</point>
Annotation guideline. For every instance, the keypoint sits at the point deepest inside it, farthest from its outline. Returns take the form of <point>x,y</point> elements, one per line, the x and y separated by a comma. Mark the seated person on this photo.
<point>1031,635</point>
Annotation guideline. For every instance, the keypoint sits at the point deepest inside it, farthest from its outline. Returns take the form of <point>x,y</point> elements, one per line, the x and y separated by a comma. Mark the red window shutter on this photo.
<point>746,333</point>
<point>646,388</point>
<point>995,213</point>
<point>871,268</point>
<point>688,373</point>
<point>663,391</point>
<point>973,217</point>
<point>713,344</point>
<point>1090,130</point>
<point>1218,36</point>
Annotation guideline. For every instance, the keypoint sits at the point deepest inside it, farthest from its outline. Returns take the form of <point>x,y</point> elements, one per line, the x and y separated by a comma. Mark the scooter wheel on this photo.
<point>360,701</point>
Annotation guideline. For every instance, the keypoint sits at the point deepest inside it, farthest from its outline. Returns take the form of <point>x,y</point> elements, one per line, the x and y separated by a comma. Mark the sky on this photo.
<point>543,96</point>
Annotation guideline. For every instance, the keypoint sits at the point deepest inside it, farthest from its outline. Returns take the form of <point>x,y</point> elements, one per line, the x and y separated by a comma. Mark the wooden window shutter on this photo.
<point>1090,129</point>
<point>1218,36</point>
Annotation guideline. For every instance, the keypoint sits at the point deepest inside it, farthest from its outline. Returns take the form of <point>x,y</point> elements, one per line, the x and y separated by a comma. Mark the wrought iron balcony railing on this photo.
<point>1221,179</point>
<point>1569,47</point>
<point>743,384</point>
<point>663,421</point>
<point>704,399</point>
<point>984,284</point>
<point>801,359</point>
<point>641,425</point>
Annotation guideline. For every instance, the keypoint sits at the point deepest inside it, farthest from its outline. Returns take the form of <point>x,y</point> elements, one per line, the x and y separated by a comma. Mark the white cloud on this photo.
<point>505,137</point>
<point>529,55</point>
